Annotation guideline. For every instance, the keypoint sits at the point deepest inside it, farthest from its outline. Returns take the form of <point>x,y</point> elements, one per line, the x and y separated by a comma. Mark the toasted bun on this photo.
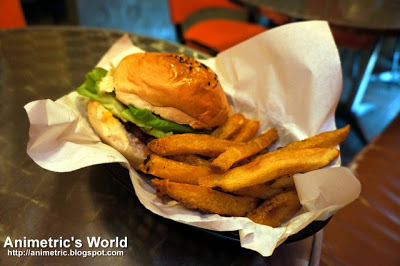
<point>113,133</point>
<point>176,87</point>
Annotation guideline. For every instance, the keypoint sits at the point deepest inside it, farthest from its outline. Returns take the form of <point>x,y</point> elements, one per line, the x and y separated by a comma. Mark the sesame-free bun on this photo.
<point>174,86</point>
<point>112,132</point>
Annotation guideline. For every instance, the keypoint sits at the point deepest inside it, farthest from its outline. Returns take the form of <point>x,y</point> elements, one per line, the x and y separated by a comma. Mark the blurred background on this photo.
<point>375,108</point>
<point>149,18</point>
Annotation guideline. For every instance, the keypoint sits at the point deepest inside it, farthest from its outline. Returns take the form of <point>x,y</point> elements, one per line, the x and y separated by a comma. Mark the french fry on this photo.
<point>191,159</point>
<point>283,182</point>
<point>276,210</point>
<point>181,144</point>
<point>205,199</point>
<point>173,170</point>
<point>246,174</point>
<point>269,189</point>
<point>261,191</point>
<point>230,127</point>
<point>270,167</point>
<point>327,139</point>
<point>235,154</point>
<point>247,131</point>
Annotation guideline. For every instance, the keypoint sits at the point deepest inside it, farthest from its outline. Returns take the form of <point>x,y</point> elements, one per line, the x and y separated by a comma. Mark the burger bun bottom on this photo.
<point>112,132</point>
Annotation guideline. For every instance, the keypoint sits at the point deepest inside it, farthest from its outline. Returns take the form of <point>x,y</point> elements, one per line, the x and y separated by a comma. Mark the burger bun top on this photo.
<point>174,86</point>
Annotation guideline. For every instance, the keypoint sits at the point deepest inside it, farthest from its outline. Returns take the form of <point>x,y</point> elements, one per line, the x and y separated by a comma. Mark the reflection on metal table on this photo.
<point>47,63</point>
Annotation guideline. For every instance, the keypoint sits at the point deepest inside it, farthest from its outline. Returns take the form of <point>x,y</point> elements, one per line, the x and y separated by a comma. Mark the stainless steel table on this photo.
<point>49,62</point>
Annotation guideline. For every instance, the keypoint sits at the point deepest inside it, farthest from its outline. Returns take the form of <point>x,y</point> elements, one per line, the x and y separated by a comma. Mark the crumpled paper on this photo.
<point>288,77</point>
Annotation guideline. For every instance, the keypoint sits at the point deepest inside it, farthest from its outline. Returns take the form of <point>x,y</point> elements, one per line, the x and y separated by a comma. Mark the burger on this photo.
<point>152,95</point>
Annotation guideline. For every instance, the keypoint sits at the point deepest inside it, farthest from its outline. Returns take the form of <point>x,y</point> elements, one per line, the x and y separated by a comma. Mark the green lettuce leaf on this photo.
<point>93,79</point>
<point>90,89</point>
<point>152,120</point>
<point>127,115</point>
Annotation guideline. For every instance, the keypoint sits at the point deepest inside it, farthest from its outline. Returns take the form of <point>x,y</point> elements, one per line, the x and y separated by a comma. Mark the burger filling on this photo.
<point>99,87</point>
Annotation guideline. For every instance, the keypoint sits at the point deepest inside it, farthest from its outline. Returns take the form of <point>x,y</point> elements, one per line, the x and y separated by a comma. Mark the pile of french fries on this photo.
<point>232,173</point>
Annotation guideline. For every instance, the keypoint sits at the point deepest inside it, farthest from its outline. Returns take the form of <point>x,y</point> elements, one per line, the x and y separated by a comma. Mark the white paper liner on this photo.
<point>288,78</point>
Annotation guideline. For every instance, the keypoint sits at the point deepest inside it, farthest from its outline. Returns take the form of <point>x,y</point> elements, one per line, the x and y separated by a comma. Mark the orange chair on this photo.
<point>11,14</point>
<point>212,25</point>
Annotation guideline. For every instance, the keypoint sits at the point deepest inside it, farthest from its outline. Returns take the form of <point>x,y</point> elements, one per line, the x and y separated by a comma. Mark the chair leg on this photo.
<point>355,100</point>
<point>352,108</point>
<point>396,56</point>
<point>392,76</point>
<point>179,35</point>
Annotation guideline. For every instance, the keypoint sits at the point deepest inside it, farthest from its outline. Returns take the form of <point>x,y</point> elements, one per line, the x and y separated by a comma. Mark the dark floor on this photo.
<point>151,18</point>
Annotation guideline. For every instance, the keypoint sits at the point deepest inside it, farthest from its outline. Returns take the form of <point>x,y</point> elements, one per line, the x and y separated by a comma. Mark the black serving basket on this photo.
<point>122,176</point>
